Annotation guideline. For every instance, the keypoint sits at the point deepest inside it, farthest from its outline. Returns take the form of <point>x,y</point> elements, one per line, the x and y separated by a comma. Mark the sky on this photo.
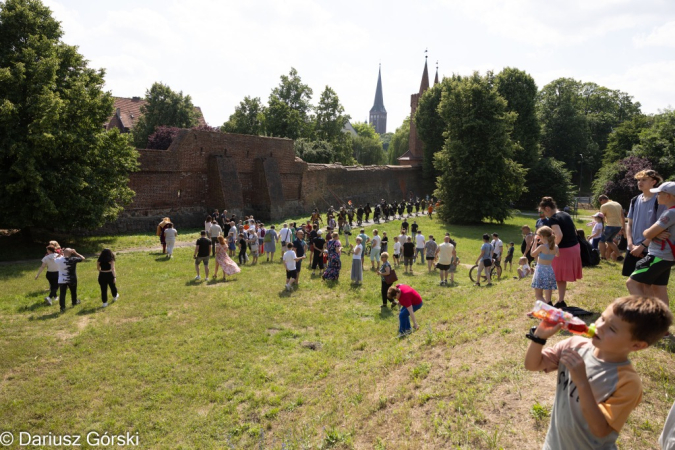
<point>219,51</point>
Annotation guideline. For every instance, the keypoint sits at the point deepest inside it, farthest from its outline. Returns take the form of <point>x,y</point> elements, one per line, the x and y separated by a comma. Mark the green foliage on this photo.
<point>60,168</point>
<point>624,137</point>
<point>479,178</point>
<point>539,412</point>
<point>163,107</point>
<point>248,118</point>
<point>289,108</point>
<point>314,151</point>
<point>366,130</point>
<point>430,126</point>
<point>368,150</point>
<point>657,143</point>
<point>548,177</point>
<point>399,142</point>
<point>386,140</point>
<point>520,92</point>
<point>330,117</point>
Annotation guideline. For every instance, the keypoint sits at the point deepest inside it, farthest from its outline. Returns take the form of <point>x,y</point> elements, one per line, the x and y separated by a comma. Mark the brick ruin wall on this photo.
<point>244,174</point>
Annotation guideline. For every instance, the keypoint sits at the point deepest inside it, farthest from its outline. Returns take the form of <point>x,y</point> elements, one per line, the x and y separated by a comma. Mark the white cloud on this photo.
<point>660,36</point>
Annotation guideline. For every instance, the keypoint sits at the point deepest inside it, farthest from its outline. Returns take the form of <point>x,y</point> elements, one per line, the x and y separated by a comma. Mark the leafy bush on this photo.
<point>548,177</point>
<point>617,180</point>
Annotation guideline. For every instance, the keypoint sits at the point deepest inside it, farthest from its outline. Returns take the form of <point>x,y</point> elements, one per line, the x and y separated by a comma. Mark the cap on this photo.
<point>319,232</point>
<point>599,214</point>
<point>668,187</point>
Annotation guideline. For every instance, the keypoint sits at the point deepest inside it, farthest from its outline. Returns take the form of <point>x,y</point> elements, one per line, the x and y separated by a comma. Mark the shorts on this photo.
<point>375,254</point>
<point>202,259</point>
<point>609,234</point>
<point>443,266</point>
<point>396,255</point>
<point>431,258</point>
<point>291,274</point>
<point>652,270</point>
<point>408,260</point>
<point>630,262</point>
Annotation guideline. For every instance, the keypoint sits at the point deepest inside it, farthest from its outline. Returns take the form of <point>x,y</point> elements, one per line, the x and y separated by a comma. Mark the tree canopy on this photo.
<point>163,107</point>
<point>399,142</point>
<point>289,108</point>
<point>479,179</point>
<point>60,168</point>
<point>248,118</point>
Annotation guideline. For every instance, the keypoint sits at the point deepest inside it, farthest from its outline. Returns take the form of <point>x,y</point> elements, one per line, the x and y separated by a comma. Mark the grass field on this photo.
<point>244,364</point>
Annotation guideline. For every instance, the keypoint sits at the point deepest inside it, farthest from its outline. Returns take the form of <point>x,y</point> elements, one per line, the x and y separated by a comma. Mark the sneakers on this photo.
<point>197,278</point>
<point>288,287</point>
<point>48,301</point>
<point>104,305</point>
<point>115,298</point>
<point>442,283</point>
<point>77,303</point>
<point>207,279</point>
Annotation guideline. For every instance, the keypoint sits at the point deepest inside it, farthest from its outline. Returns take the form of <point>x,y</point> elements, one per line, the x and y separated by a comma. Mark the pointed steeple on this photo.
<point>436,79</point>
<point>425,76</point>
<point>378,105</point>
<point>378,114</point>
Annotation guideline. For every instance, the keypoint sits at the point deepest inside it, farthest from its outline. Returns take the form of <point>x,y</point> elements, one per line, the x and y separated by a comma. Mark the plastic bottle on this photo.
<point>554,316</point>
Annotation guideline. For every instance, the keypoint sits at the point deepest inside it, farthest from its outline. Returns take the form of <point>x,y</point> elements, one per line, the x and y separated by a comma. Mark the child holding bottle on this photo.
<point>545,250</point>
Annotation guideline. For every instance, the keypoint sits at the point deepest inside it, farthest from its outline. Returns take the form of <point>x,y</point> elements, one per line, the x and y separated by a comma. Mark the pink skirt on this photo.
<point>567,265</point>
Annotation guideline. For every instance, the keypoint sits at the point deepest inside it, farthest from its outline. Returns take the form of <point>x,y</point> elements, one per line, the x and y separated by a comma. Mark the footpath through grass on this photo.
<point>244,364</point>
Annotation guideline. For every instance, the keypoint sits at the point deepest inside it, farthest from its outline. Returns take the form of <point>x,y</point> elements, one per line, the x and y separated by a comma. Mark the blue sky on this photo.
<point>220,51</point>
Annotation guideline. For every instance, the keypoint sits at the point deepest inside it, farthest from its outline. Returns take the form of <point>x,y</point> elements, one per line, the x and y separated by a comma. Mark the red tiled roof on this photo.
<point>130,111</point>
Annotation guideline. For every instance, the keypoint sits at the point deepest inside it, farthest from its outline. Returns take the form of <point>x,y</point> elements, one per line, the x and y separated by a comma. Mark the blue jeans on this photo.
<point>404,318</point>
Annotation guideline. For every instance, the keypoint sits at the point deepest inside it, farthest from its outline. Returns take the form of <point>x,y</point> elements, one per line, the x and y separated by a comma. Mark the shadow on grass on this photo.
<point>331,284</point>
<point>33,307</point>
<point>89,310</point>
<point>284,293</point>
<point>53,315</point>
<point>194,282</point>
<point>387,312</point>
<point>161,258</point>
<point>355,286</point>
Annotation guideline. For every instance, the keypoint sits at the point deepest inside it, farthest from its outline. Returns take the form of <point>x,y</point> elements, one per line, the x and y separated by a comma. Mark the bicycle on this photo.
<point>495,271</point>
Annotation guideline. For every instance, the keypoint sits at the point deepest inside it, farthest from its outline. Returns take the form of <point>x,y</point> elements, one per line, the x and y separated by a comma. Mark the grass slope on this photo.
<point>243,364</point>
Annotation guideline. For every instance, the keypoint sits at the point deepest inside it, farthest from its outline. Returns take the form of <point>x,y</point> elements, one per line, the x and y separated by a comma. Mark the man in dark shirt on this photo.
<point>68,276</point>
<point>405,226</point>
<point>319,244</point>
<point>202,253</point>
<point>299,245</point>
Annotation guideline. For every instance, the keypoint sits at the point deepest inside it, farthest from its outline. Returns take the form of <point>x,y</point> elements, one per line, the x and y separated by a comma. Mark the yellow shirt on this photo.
<point>612,211</point>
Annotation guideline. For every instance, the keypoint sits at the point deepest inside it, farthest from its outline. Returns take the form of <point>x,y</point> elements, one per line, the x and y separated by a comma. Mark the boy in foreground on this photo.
<point>597,385</point>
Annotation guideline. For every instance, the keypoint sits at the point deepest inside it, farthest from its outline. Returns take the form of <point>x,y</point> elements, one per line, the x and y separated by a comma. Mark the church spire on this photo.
<point>425,75</point>
<point>378,114</point>
<point>436,79</point>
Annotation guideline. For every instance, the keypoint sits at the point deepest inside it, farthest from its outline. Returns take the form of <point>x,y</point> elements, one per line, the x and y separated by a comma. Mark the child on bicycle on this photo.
<point>543,280</point>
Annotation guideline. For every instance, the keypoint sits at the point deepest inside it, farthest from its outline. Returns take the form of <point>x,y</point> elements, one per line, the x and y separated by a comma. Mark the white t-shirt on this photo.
<point>355,256</point>
<point>289,260</point>
<point>207,227</point>
<point>419,239</point>
<point>215,231</point>
<point>597,228</point>
<point>375,242</point>
<point>397,248</point>
<point>402,238</point>
<point>525,268</point>
<point>170,234</point>
<point>285,235</point>
<point>498,246</point>
<point>445,253</point>
<point>49,260</point>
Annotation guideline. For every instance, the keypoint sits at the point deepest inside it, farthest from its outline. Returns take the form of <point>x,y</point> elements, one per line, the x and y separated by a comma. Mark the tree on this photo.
<point>163,107</point>
<point>520,92</point>
<point>386,140</point>
<point>162,138</point>
<point>330,117</point>
<point>657,143</point>
<point>617,180</point>
<point>625,137</point>
<point>431,126</point>
<point>366,130</point>
<point>289,108</point>
<point>548,177</point>
<point>59,166</point>
<point>479,178</point>
<point>314,151</point>
<point>399,142</point>
<point>368,150</point>
<point>248,118</point>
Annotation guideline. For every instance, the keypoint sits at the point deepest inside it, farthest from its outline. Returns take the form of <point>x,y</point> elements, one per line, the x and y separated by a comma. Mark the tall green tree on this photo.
<point>368,150</point>
<point>479,179</point>
<point>59,167</point>
<point>289,108</point>
<point>163,107</point>
<point>431,126</point>
<point>657,143</point>
<point>399,142</point>
<point>248,118</point>
<point>330,117</point>
<point>367,130</point>
<point>624,137</point>
<point>520,92</point>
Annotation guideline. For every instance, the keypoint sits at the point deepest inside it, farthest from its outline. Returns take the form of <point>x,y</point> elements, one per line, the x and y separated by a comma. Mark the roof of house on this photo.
<point>130,110</point>
<point>408,156</point>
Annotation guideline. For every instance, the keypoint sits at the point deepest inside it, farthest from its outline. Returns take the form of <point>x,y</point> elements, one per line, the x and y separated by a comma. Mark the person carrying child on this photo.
<point>654,269</point>
<point>596,385</point>
<point>545,250</point>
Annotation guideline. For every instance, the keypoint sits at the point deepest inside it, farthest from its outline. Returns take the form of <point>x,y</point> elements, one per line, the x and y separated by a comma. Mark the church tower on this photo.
<point>378,115</point>
<point>415,154</point>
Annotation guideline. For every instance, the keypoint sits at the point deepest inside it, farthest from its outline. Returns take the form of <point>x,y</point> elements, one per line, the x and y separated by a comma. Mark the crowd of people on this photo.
<point>597,387</point>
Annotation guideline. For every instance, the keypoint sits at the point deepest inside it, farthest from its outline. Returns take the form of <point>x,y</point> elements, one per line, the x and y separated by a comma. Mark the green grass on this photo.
<point>244,364</point>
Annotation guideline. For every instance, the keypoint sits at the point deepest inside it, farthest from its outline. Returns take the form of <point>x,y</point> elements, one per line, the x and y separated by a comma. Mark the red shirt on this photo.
<point>409,296</point>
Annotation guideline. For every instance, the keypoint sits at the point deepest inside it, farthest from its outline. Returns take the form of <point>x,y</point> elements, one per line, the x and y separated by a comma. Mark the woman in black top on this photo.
<point>107,275</point>
<point>567,266</point>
